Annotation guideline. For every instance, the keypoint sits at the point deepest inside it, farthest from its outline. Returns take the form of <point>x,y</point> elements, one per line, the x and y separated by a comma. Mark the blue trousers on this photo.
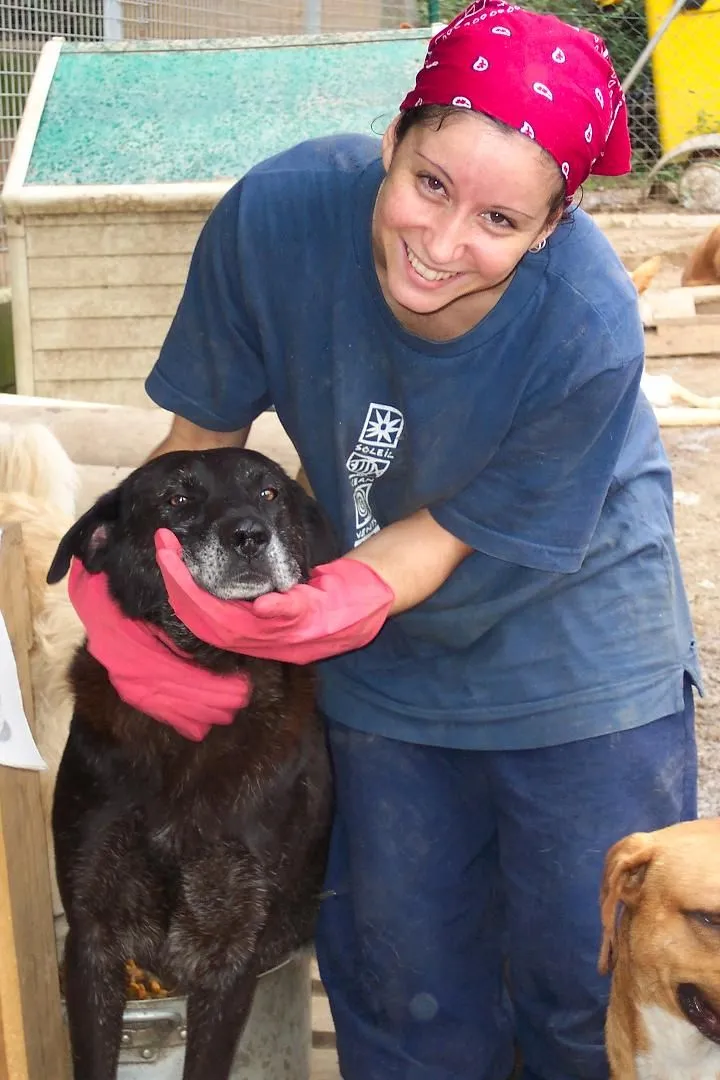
<point>463,917</point>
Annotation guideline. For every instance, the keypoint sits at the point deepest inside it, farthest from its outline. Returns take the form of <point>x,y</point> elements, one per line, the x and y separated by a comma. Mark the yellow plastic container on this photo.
<point>686,71</point>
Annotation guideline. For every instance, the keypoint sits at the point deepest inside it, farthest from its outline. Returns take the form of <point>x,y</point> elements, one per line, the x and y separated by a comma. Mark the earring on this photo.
<point>534,248</point>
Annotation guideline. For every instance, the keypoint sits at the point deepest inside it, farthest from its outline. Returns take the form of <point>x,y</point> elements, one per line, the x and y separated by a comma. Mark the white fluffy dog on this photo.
<point>38,487</point>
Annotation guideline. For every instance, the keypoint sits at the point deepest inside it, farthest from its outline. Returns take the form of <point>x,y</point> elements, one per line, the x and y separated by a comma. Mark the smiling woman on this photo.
<point>507,652</point>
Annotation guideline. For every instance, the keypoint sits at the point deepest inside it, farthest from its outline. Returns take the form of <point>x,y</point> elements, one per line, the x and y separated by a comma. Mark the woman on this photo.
<point>456,355</point>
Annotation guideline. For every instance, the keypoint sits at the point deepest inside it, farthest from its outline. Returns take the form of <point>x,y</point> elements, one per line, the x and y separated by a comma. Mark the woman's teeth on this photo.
<point>425,271</point>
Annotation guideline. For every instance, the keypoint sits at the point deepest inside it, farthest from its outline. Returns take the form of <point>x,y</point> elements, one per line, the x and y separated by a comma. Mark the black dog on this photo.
<point>201,861</point>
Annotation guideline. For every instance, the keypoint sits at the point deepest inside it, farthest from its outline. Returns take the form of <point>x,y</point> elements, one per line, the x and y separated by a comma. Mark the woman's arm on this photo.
<point>413,557</point>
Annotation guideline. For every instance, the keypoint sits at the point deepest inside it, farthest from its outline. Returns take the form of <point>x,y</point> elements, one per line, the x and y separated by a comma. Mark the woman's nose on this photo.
<point>445,240</point>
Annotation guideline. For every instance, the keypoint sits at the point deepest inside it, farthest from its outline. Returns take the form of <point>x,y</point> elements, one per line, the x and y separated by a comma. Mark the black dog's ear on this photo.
<point>88,539</point>
<point>322,546</point>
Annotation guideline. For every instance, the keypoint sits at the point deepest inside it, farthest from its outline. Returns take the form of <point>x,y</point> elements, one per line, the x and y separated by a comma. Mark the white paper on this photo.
<point>17,746</point>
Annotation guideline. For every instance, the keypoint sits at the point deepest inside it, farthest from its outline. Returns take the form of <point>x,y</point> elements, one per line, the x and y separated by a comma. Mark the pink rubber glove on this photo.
<point>147,670</point>
<point>342,607</point>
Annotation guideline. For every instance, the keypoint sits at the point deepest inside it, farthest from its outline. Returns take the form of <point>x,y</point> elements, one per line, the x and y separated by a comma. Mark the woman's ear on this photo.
<point>548,229</point>
<point>388,142</point>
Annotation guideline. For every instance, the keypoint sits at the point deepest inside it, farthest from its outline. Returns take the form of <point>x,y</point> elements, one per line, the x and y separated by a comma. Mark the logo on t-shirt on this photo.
<point>370,458</point>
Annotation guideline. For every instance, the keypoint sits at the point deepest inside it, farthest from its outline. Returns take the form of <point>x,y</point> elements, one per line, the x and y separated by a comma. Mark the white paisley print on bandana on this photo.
<point>371,458</point>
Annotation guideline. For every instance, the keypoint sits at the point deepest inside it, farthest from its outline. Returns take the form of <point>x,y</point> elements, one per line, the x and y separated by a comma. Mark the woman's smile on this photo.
<point>427,274</point>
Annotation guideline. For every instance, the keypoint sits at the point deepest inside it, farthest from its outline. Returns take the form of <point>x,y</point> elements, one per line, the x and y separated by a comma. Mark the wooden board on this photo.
<point>112,436</point>
<point>33,1042</point>
<point>684,337</point>
<point>324,1055</point>
<point>324,1065</point>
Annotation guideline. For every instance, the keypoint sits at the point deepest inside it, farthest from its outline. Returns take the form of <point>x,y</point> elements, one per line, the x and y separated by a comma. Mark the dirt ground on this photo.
<point>648,230</point>
<point>695,457</point>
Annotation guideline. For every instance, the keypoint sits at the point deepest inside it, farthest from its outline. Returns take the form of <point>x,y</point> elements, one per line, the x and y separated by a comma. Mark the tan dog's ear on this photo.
<point>625,865</point>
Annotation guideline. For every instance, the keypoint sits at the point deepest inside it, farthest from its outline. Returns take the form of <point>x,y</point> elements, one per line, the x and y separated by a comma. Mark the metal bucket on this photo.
<point>274,1046</point>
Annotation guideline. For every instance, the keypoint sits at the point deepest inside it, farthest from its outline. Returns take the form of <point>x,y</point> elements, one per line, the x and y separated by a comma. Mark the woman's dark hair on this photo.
<point>434,116</point>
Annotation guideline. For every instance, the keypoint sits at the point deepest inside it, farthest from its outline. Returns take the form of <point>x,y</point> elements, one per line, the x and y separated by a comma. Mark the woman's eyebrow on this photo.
<point>434,164</point>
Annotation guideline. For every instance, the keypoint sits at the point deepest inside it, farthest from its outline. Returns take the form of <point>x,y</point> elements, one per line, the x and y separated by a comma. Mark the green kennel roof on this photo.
<point>170,112</point>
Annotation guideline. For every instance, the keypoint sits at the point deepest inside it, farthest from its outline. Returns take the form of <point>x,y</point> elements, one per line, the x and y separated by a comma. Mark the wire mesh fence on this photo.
<point>25,25</point>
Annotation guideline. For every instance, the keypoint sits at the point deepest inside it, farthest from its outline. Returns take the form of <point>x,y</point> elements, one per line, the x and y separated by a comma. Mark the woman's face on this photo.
<point>458,209</point>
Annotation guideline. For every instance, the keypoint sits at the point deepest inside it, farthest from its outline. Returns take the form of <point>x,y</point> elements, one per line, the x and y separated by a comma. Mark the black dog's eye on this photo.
<point>269,493</point>
<point>177,500</point>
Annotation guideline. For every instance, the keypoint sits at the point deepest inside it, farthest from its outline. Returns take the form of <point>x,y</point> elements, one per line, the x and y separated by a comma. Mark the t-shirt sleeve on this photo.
<point>538,501</point>
<point>210,369</point>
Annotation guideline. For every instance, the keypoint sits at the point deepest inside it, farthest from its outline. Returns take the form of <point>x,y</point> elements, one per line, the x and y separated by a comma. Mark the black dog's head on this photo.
<point>245,527</point>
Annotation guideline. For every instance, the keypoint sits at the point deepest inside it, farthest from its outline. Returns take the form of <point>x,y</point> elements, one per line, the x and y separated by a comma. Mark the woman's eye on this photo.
<point>496,218</point>
<point>269,493</point>
<point>177,500</point>
<point>431,183</point>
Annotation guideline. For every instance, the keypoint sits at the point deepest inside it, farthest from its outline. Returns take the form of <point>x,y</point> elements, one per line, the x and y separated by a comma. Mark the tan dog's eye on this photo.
<point>177,500</point>
<point>706,918</point>
<point>268,494</point>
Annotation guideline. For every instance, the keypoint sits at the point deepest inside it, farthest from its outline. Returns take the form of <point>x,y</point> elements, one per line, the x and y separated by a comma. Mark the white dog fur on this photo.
<point>38,489</point>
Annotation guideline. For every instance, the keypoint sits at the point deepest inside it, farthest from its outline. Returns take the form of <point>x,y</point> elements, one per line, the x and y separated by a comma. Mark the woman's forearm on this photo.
<point>413,556</point>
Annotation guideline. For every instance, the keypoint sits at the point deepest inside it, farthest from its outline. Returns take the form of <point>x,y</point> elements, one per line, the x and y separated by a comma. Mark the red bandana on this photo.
<point>555,83</point>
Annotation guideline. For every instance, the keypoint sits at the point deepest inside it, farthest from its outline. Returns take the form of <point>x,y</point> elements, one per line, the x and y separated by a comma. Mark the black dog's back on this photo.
<point>201,861</point>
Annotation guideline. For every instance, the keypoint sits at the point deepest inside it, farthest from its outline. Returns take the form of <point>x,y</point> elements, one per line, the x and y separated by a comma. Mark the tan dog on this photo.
<point>663,948</point>
<point>38,482</point>
<point>643,275</point>
<point>703,266</point>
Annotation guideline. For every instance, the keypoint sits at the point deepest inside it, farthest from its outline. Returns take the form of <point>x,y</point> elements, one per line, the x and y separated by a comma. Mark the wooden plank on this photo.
<point>105,302</point>
<point>683,302</point>
<point>104,391</point>
<point>686,416</point>
<point>323,1030</point>
<point>133,333</point>
<point>324,1065</point>
<point>96,434</point>
<point>21,320</point>
<point>80,271</point>
<point>119,238</point>
<point>703,293</point>
<point>684,337</point>
<point>143,217</point>
<point>32,1033</point>
<point>672,304</point>
<point>107,435</point>
<point>64,364</point>
<point>33,110</point>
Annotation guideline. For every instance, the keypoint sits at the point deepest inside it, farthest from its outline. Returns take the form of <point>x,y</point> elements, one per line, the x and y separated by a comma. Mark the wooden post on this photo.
<point>33,1041</point>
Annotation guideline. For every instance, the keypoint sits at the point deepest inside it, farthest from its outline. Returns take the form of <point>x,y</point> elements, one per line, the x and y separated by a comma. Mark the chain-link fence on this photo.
<point>623,25</point>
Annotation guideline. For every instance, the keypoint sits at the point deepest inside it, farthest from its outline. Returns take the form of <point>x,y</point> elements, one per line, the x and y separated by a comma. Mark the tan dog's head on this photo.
<point>668,883</point>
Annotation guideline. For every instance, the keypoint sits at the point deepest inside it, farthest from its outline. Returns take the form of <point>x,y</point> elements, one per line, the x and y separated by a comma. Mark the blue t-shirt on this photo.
<point>526,437</point>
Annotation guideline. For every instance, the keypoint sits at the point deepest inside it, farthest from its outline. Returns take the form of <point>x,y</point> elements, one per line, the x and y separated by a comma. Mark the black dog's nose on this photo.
<point>249,536</point>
